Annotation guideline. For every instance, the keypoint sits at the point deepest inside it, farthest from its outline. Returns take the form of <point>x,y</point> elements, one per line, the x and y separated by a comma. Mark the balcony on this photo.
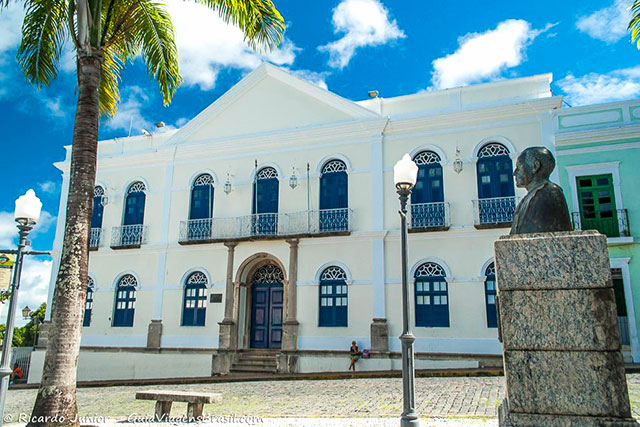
<point>329,222</point>
<point>494,213</point>
<point>128,236</point>
<point>617,226</point>
<point>95,239</point>
<point>429,217</point>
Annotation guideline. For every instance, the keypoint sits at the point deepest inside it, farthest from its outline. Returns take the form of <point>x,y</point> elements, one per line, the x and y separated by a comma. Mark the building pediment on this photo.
<point>269,100</point>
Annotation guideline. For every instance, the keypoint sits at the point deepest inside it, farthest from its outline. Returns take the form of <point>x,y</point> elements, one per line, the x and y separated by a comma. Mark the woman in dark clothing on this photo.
<point>355,355</point>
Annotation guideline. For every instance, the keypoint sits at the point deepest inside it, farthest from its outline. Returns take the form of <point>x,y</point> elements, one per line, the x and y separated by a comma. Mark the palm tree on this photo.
<point>106,35</point>
<point>634,25</point>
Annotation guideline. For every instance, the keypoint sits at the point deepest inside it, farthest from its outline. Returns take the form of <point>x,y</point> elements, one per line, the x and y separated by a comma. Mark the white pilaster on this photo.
<point>377,224</point>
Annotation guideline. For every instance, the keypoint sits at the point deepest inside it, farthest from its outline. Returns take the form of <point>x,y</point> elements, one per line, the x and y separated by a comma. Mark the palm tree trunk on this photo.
<point>57,393</point>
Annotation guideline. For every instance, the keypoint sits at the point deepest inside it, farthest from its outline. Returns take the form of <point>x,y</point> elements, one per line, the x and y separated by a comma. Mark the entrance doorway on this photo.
<point>267,298</point>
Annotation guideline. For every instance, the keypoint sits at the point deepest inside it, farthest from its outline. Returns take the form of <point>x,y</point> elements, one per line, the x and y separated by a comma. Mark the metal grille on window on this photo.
<point>429,269</point>
<point>98,191</point>
<point>137,187</point>
<point>426,158</point>
<point>333,273</point>
<point>267,173</point>
<point>493,149</point>
<point>334,166</point>
<point>268,274</point>
<point>204,179</point>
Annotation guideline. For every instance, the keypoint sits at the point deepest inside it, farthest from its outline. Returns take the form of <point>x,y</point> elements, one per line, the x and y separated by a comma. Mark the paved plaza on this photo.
<point>445,401</point>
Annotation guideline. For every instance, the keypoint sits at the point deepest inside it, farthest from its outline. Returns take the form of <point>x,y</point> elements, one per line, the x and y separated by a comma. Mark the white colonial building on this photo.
<point>264,234</point>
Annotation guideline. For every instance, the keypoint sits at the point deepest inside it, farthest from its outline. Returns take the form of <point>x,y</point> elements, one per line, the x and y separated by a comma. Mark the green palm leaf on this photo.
<point>43,35</point>
<point>634,25</point>
<point>260,21</point>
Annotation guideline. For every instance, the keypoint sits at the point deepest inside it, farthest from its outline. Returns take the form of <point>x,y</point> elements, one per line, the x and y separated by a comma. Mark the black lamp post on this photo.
<point>405,174</point>
<point>26,215</point>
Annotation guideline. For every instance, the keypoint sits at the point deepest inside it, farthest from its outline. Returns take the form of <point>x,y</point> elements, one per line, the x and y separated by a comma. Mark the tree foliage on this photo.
<point>25,336</point>
<point>634,25</point>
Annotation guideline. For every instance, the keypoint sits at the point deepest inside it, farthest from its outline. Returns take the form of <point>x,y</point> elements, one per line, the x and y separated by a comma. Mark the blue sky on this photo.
<point>349,46</point>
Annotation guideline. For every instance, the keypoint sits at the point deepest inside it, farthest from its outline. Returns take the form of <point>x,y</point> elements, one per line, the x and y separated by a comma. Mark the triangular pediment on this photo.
<point>267,100</point>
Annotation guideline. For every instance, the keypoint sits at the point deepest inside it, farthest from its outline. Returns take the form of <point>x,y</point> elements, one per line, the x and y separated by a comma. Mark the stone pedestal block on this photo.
<point>227,334</point>
<point>154,334</point>
<point>222,361</point>
<point>379,335</point>
<point>560,336</point>
<point>43,334</point>
<point>290,335</point>
<point>287,362</point>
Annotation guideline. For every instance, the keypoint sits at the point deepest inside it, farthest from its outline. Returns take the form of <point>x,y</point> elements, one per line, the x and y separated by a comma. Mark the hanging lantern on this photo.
<point>293,179</point>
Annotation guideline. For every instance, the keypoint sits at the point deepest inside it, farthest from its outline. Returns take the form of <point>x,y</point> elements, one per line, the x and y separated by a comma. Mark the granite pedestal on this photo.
<point>560,336</point>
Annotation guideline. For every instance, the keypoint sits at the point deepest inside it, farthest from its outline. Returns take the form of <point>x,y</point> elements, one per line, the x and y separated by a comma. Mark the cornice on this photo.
<point>598,135</point>
<point>471,115</point>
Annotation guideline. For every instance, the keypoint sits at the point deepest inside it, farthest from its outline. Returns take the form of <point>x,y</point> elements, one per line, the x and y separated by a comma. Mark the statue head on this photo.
<point>534,164</point>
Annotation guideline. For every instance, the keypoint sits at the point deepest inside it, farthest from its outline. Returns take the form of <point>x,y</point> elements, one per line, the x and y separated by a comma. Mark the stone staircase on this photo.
<point>255,361</point>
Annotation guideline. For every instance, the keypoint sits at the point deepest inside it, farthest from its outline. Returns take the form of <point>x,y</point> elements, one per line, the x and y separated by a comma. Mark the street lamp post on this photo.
<point>26,214</point>
<point>405,174</point>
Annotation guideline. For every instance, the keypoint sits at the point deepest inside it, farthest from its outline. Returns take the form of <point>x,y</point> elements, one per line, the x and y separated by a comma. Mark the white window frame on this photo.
<point>623,264</point>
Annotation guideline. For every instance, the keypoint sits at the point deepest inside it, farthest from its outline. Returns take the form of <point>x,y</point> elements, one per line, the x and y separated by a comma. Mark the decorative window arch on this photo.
<point>134,204</point>
<point>194,303</point>
<point>490,295</point>
<point>267,173</point>
<point>496,188</point>
<point>98,207</point>
<point>333,297</point>
<point>334,197</point>
<point>269,273</point>
<point>88,304</point>
<point>125,303</point>
<point>431,295</point>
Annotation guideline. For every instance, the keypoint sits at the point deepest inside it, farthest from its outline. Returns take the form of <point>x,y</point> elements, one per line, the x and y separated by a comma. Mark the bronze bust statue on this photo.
<point>544,208</point>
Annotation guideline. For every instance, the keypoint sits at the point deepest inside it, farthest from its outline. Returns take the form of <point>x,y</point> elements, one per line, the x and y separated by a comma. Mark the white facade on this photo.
<point>283,122</point>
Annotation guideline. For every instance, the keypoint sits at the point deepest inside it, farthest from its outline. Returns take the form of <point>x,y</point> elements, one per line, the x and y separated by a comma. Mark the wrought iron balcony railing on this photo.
<point>272,225</point>
<point>429,216</point>
<point>616,226</point>
<point>95,238</point>
<point>495,212</point>
<point>128,236</point>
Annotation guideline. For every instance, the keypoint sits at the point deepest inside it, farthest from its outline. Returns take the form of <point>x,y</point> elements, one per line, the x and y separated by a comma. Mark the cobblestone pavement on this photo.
<point>475,398</point>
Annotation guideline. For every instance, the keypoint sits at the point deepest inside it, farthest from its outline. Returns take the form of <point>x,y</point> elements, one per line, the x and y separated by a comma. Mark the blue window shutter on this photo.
<point>429,187</point>
<point>201,202</point>
<point>490,293</point>
<point>431,296</point>
<point>96,216</point>
<point>134,208</point>
<point>495,177</point>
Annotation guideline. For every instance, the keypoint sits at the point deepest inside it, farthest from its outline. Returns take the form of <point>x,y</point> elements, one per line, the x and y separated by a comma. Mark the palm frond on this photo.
<point>634,25</point>
<point>110,82</point>
<point>43,35</point>
<point>151,31</point>
<point>262,24</point>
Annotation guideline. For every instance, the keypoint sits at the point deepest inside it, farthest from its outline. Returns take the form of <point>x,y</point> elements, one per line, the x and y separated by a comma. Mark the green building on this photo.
<point>598,155</point>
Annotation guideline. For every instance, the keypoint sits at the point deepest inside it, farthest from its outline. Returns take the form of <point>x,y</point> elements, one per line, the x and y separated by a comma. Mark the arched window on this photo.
<point>134,204</point>
<point>88,304</point>
<point>194,305</point>
<point>125,301</point>
<point>333,297</point>
<point>265,202</point>
<point>334,197</point>
<point>431,296</point>
<point>427,196</point>
<point>98,206</point>
<point>495,184</point>
<point>490,296</point>
<point>201,208</point>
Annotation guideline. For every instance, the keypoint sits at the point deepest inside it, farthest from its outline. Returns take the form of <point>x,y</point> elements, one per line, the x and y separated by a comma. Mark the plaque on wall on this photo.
<point>215,298</point>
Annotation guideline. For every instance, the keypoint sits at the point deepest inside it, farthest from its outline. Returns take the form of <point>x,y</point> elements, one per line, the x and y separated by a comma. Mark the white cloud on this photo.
<point>8,230</point>
<point>482,56</point>
<point>34,285</point>
<point>48,187</point>
<point>608,24</point>
<point>206,44</point>
<point>55,106</point>
<point>594,88</point>
<point>129,114</point>
<point>181,122</point>
<point>318,79</point>
<point>10,26</point>
<point>364,23</point>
